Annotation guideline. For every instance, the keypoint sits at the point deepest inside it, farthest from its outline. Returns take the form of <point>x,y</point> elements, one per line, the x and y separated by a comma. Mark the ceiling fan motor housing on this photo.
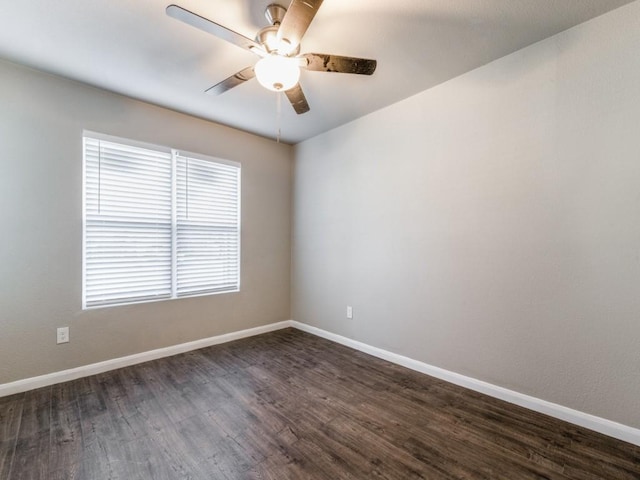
<point>268,36</point>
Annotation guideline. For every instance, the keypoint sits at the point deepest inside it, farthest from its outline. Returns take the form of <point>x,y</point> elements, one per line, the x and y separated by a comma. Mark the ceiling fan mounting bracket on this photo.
<point>274,13</point>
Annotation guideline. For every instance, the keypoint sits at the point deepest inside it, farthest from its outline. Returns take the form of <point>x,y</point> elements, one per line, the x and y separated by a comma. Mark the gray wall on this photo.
<point>491,225</point>
<point>41,122</point>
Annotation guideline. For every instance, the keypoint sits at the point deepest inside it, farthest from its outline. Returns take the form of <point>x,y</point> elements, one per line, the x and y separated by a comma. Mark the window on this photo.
<point>158,223</point>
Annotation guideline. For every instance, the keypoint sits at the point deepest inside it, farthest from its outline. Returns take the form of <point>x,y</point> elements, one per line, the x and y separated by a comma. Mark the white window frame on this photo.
<point>174,221</point>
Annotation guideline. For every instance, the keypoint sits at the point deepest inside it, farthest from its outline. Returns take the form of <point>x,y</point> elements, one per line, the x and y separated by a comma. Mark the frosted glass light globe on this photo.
<point>277,73</point>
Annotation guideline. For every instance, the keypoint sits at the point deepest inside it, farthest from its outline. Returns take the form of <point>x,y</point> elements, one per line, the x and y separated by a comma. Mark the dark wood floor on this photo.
<point>288,405</point>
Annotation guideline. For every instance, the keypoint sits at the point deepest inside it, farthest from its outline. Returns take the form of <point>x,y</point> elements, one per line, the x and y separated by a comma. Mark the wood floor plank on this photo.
<point>212,449</point>
<point>288,405</point>
<point>175,406</point>
<point>10,416</point>
<point>101,420</point>
<point>135,459</point>
<point>66,444</point>
<point>31,457</point>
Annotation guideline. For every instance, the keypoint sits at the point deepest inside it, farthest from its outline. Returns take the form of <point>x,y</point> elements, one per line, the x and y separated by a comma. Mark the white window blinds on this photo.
<point>207,236</point>
<point>157,224</point>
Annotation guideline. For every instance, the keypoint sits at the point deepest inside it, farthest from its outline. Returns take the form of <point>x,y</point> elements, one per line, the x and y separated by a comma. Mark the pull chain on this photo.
<point>278,115</point>
<point>99,175</point>
<point>186,187</point>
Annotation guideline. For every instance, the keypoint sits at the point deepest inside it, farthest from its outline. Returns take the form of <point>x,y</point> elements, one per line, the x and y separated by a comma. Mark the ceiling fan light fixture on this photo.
<point>277,73</point>
<point>278,45</point>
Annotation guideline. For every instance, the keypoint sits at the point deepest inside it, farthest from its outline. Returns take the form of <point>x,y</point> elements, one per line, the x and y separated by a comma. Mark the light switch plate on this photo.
<point>62,335</point>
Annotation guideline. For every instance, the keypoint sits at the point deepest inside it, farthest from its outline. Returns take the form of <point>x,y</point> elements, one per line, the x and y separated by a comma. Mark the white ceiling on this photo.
<point>134,48</point>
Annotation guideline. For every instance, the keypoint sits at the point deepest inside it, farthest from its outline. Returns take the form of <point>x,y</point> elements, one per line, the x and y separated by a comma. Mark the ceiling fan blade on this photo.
<point>320,62</point>
<point>297,99</point>
<point>297,19</point>
<point>233,81</point>
<point>213,28</point>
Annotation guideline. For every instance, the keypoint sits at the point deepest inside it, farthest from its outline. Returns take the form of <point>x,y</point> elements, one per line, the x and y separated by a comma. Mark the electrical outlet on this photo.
<point>63,335</point>
<point>349,311</point>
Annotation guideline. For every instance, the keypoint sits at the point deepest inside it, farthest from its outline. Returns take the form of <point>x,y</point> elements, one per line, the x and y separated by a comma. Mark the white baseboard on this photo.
<point>32,383</point>
<point>598,424</point>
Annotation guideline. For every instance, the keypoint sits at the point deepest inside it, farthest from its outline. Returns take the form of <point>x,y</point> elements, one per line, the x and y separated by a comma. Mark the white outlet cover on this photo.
<point>349,311</point>
<point>62,335</point>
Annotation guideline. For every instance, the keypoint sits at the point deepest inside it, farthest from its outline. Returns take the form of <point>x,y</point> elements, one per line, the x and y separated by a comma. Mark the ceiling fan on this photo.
<point>278,45</point>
